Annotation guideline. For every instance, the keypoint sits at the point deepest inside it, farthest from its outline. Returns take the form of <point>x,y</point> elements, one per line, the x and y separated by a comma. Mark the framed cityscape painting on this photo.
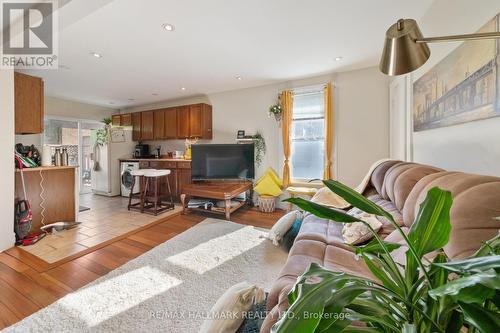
<point>463,87</point>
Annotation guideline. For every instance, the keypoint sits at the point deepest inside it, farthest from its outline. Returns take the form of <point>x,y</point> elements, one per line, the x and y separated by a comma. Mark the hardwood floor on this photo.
<point>28,284</point>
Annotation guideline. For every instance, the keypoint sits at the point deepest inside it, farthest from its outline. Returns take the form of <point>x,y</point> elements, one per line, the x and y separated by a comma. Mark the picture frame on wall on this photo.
<point>462,87</point>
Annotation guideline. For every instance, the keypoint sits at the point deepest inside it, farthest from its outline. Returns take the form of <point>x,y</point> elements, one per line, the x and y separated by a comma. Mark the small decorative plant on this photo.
<point>102,134</point>
<point>276,110</point>
<point>419,297</point>
<point>260,148</point>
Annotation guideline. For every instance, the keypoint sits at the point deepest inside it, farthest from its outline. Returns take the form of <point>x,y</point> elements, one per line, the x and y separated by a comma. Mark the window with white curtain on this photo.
<point>308,135</point>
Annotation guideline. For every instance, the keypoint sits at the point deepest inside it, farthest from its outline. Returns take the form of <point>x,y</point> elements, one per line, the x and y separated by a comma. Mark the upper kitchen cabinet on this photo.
<point>170,123</point>
<point>126,119</point>
<point>194,121</point>
<point>28,104</point>
<point>136,126</point>
<point>116,120</point>
<point>183,122</point>
<point>147,125</point>
<point>121,119</point>
<point>159,124</point>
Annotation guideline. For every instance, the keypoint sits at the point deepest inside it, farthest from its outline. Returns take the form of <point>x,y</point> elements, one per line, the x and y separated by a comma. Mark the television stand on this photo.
<point>217,190</point>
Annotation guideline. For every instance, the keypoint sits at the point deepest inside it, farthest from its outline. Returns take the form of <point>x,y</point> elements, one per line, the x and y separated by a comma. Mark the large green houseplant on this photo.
<point>419,297</point>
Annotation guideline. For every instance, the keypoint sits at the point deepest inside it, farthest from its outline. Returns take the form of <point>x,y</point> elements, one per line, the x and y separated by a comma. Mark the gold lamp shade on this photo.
<point>402,53</point>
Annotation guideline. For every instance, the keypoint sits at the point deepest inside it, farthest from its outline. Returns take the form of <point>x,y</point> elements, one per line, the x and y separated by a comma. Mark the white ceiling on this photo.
<point>264,41</point>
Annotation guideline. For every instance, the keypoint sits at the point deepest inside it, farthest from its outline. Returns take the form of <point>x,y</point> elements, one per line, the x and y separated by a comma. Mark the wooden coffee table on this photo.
<point>215,190</point>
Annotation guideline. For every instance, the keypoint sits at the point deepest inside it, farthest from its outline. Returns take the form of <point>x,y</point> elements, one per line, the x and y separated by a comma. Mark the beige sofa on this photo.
<point>398,187</point>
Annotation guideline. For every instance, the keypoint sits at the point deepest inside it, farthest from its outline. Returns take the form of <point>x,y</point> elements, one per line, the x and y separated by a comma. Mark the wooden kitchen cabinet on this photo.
<point>121,119</point>
<point>28,104</point>
<point>136,126</point>
<point>170,121</point>
<point>186,121</point>
<point>183,122</point>
<point>180,175</point>
<point>183,178</point>
<point>194,121</point>
<point>116,120</point>
<point>147,125</point>
<point>201,121</point>
<point>159,124</point>
<point>126,119</point>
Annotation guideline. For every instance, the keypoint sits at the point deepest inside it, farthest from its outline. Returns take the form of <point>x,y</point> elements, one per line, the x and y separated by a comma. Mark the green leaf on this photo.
<point>310,295</point>
<point>472,264</point>
<point>475,294</point>
<point>455,322</point>
<point>490,279</point>
<point>376,267</point>
<point>355,329</point>
<point>490,247</point>
<point>322,211</point>
<point>374,247</point>
<point>337,326</point>
<point>355,199</point>
<point>339,300</point>
<point>485,320</point>
<point>432,227</point>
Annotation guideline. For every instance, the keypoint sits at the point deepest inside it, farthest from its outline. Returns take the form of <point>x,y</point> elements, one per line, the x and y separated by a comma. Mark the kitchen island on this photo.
<point>53,188</point>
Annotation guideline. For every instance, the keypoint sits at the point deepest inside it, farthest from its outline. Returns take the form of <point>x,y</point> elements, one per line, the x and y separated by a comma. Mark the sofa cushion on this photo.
<point>401,179</point>
<point>378,175</point>
<point>321,230</point>
<point>473,213</point>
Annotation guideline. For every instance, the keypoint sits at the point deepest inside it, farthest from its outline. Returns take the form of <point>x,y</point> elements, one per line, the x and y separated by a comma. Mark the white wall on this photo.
<point>361,119</point>
<point>7,237</point>
<point>470,147</point>
<point>362,101</point>
<point>60,107</point>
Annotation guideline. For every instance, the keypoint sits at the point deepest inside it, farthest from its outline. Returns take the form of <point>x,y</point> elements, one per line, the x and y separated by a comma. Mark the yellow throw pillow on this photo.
<point>270,172</point>
<point>275,177</point>
<point>267,186</point>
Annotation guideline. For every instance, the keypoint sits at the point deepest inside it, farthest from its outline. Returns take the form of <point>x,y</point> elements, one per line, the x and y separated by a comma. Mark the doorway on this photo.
<point>75,137</point>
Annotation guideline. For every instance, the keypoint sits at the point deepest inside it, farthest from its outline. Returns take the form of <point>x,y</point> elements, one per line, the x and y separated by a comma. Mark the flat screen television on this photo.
<point>222,161</point>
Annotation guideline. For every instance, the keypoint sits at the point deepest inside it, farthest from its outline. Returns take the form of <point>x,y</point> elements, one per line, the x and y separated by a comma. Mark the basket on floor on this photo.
<point>267,203</point>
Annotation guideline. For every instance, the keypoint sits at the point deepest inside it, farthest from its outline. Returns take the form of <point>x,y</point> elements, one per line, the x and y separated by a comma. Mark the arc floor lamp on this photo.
<point>406,49</point>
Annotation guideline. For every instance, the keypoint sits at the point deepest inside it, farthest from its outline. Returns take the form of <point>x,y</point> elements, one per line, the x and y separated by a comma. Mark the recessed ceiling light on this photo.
<point>183,88</point>
<point>168,26</point>
<point>154,94</point>
<point>239,78</point>
<point>338,58</point>
<point>131,99</point>
<point>111,103</point>
<point>95,54</point>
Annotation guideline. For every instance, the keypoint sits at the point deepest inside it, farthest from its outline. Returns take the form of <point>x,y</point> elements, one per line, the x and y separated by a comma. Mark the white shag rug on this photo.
<point>170,288</point>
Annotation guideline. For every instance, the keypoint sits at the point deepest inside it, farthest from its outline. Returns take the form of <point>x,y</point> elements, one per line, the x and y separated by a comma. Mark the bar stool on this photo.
<point>136,174</point>
<point>154,203</point>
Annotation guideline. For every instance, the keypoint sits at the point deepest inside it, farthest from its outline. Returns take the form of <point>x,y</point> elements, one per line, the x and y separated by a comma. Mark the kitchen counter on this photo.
<point>48,168</point>
<point>152,159</point>
<point>51,189</point>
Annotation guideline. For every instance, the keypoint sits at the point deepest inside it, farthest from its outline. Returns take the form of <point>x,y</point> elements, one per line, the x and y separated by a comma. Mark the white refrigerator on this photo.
<point>106,178</point>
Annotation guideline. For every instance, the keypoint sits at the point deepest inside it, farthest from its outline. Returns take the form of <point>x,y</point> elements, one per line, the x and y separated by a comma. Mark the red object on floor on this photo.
<point>32,239</point>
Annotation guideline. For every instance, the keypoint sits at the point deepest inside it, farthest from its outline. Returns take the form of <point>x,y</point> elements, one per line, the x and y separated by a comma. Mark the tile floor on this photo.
<point>107,218</point>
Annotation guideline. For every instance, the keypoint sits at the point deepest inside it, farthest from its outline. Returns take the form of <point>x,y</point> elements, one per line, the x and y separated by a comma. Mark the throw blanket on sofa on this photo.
<point>326,197</point>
